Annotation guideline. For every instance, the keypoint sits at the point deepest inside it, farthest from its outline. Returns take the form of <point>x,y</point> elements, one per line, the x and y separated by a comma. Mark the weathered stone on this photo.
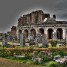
<point>54,30</point>
<point>22,40</point>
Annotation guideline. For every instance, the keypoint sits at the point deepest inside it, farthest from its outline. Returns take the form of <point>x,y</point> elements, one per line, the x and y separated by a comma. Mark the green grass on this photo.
<point>28,61</point>
<point>25,61</point>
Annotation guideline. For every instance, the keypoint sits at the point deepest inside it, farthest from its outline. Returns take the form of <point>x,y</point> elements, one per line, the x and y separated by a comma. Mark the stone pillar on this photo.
<point>21,40</point>
<point>46,33</point>
<point>17,34</point>
<point>54,34</point>
<point>33,17</point>
<point>28,18</point>
<point>38,37</point>
<point>40,18</point>
<point>37,30</point>
<point>64,33</point>
<point>29,34</point>
<point>22,31</point>
<point>44,40</point>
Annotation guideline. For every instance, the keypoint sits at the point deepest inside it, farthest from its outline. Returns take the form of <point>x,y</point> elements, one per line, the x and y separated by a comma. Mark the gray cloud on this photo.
<point>10,10</point>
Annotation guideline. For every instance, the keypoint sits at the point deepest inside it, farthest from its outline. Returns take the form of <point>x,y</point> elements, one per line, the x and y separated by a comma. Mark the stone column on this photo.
<point>44,40</point>
<point>64,33</point>
<point>22,31</point>
<point>17,34</point>
<point>33,17</point>
<point>29,34</point>
<point>37,31</point>
<point>54,34</point>
<point>46,33</point>
<point>37,40</point>
<point>21,40</point>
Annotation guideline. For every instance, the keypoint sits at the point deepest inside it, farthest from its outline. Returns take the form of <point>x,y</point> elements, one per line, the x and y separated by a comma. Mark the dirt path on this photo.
<point>9,63</point>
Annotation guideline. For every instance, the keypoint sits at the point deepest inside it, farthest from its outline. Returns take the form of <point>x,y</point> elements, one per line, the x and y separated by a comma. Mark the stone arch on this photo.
<point>33,32</point>
<point>25,33</point>
<point>41,30</point>
<point>50,33</point>
<point>59,33</point>
<point>20,31</point>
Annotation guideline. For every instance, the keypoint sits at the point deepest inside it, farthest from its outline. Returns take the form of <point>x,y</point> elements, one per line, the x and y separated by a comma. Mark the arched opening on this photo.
<point>50,33</point>
<point>41,30</point>
<point>26,33</point>
<point>20,31</point>
<point>59,33</point>
<point>33,32</point>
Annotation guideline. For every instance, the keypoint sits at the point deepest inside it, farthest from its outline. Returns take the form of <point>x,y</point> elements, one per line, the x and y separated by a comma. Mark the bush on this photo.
<point>61,53</point>
<point>28,52</point>
<point>5,52</point>
<point>53,64</point>
<point>53,43</point>
<point>43,55</point>
<point>46,58</point>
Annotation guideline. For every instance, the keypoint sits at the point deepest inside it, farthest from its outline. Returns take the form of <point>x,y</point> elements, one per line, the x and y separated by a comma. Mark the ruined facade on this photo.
<point>38,22</point>
<point>13,30</point>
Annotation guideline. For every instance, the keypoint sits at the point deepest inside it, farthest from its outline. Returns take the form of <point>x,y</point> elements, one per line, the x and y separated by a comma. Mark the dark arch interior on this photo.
<point>20,31</point>
<point>33,32</point>
<point>59,33</point>
<point>41,30</point>
<point>26,33</point>
<point>50,33</point>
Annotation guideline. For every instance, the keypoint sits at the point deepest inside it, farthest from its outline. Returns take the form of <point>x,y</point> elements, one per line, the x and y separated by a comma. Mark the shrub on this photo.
<point>4,53</point>
<point>28,51</point>
<point>61,53</point>
<point>52,64</point>
<point>13,52</point>
<point>53,43</point>
<point>44,56</point>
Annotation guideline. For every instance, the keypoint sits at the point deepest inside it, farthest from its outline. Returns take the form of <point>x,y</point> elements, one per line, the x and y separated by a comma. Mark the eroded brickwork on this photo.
<point>33,17</point>
<point>13,30</point>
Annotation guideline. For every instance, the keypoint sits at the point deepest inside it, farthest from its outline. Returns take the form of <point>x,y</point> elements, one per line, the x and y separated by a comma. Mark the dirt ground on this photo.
<point>9,63</point>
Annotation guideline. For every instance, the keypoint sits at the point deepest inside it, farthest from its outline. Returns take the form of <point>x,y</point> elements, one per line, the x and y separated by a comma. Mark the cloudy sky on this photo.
<point>11,10</point>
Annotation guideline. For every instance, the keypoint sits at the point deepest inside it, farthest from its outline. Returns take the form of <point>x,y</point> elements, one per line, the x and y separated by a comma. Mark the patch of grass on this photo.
<point>25,61</point>
<point>22,60</point>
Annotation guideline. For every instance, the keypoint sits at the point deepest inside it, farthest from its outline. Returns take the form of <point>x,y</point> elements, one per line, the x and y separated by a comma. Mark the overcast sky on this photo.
<point>11,10</point>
